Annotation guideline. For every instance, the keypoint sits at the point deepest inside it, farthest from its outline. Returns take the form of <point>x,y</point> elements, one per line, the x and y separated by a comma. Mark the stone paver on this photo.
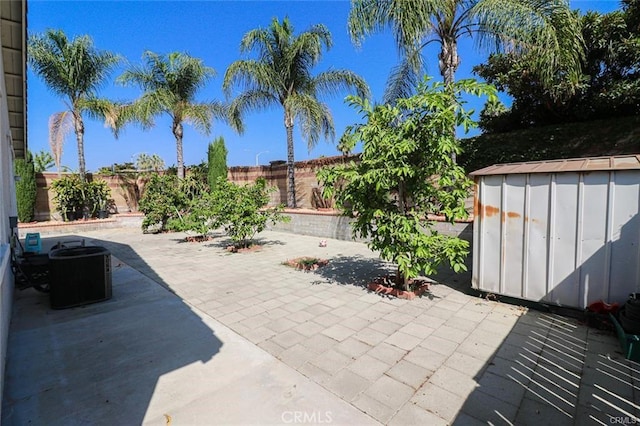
<point>450,358</point>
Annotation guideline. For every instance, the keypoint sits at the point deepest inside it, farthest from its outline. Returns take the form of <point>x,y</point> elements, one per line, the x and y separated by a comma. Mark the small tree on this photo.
<point>149,163</point>
<point>405,173</point>
<point>163,200</point>
<point>241,210</point>
<point>217,157</point>
<point>26,188</point>
<point>43,161</point>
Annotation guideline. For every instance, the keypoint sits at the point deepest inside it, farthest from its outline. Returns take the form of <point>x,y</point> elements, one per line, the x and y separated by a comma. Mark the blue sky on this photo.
<point>211,30</point>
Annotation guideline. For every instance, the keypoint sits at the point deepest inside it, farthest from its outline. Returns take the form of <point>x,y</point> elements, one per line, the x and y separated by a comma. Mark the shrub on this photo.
<point>217,156</point>
<point>163,200</point>
<point>68,196</point>
<point>97,196</point>
<point>26,189</point>
<point>241,210</point>
<point>74,197</point>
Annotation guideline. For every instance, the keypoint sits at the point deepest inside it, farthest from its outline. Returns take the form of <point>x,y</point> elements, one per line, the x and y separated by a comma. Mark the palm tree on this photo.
<point>170,83</point>
<point>74,70</point>
<point>545,29</point>
<point>281,75</point>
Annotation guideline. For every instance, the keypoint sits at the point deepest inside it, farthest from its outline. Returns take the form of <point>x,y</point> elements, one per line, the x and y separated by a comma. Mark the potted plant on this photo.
<point>68,196</point>
<point>99,195</point>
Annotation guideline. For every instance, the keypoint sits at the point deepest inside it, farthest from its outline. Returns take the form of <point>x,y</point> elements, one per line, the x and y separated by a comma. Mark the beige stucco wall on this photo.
<point>123,192</point>
<point>276,176</point>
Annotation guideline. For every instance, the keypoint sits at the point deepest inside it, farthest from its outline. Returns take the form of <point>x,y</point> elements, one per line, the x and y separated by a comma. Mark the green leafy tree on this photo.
<point>117,169</point>
<point>199,216</point>
<point>74,70</point>
<point>162,201</point>
<point>242,211</point>
<point>406,173</point>
<point>26,188</point>
<point>282,76</point>
<point>217,161</point>
<point>149,163</point>
<point>610,83</point>
<point>546,28</point>
<point>43,161</point>
<point>170,84</point>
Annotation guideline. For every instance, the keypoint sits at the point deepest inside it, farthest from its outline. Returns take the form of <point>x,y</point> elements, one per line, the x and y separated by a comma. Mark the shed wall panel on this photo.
<point>593,256</point>
<point>564,281</point>
<point>491,233</point>
<point>624,236</point>
<point>564,238</point>
<point>512,217</point>
<point>537,249</point>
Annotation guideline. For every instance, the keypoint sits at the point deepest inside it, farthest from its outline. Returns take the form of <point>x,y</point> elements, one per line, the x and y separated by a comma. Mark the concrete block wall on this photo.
<point>333,225</point>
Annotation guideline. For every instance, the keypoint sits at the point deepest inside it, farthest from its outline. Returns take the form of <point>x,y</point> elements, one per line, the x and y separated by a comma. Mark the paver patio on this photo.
<point>446,358</point>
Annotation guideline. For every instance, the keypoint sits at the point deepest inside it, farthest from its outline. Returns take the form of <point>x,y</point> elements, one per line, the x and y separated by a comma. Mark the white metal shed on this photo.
<point>562,232</point>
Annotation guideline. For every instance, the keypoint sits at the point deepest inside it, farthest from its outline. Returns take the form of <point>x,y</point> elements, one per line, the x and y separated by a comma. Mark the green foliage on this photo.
<point>148,163</point>
<point>26,188</point>
<point>117,169</point>
<point>406,172</point>
<point>217,160</point>
<point>74,197</point>
<point>170,204</point>
<point>43,161</point>
<point>242,211</point>
<point>162,201</point>
<point>195,182</point>
<point>545,29</point>
<point>98,195</point>
<point>607,85</point>
<point>68,195</point>
<point>178,205</point>
<point>198,216</point>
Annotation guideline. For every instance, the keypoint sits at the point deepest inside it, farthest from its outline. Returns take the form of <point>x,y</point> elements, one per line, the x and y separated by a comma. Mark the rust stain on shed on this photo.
<point>491,211</point>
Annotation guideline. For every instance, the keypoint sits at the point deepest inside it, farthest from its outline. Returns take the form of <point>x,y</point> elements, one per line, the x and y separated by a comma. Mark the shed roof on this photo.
<point>618,162</point>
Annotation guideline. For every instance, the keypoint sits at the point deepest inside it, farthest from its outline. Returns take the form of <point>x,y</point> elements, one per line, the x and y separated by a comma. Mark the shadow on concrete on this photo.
<point>225,242</point>
<point>353,270</point>
<point>548,369</point>
<point>102,363</point>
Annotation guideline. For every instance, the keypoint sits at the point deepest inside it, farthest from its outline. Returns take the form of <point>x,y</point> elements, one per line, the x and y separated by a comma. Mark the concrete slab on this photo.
<point>145,357</point>
<point>352,349</point>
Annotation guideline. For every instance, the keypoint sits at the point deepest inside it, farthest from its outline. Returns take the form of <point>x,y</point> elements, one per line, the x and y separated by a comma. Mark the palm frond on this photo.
<point>314,117</point>
<point>409,20</point>
<point>251,75</point>
<point>73,69</point>
<point>547,30</point>
<point>333,82</point>
<point>199,116</point>
<point>60,125</point>
<point>401,83</point>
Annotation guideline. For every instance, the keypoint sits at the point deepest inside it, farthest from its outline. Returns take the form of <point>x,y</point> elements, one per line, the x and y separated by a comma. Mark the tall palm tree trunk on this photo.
<point>291,180</point>
<point>79,129</point>
<point>178,132</point>
<point>449,61</point>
